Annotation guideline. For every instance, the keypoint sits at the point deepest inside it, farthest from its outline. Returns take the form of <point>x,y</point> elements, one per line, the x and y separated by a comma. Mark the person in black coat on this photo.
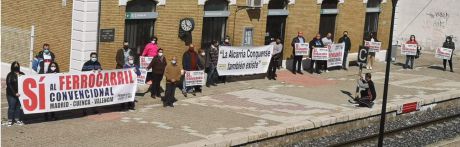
<point>45,57</point>
<point>91,65</point>
<point>12,94</point>
<point>345,39</point>
<point>316,42</point>
<point>52,68</point>
<point>368,94</point>
<point>451,45</point>
<point>297,58</point>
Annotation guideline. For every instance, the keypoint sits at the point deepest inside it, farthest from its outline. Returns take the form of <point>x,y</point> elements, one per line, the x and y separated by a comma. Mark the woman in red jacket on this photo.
<point>410,57</point>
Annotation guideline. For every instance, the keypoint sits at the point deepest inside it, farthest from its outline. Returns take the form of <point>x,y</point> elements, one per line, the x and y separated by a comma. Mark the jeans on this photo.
<point>297,60</point>
<point>410,58</point>
<point>169,93</point>
<point>272,68</point>
<point>186,89</point>
<point>345,58</point>
<point>155,91</point>
<point>14,108</point>
<point>211,75</point>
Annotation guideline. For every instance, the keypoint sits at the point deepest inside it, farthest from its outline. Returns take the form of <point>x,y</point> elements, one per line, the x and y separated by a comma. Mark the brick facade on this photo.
<point>53,25</point>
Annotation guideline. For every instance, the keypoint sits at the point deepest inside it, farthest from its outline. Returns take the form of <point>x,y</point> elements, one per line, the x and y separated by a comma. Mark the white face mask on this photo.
<point>94,59</point>
<point>173,61</point>
<point>160,54</point>
<point>203,53</point>
<point>131,61</point>
<point>153,42</point>
<point>53,68</point>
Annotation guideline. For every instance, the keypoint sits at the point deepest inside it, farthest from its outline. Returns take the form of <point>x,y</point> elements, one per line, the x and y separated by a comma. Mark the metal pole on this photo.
<point>31,52</point>
<point>387,74</point>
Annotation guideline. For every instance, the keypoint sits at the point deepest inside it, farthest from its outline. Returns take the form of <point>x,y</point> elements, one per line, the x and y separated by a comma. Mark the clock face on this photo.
<point>186,25</point>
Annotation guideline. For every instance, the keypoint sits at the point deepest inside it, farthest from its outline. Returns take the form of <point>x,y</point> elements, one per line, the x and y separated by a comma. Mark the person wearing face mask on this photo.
<point>45,57</point>
<point>52,68</point>
<point>277,49</point>
<point>213,57</point>
<point>123,54</point>
<point>190,62</point>
<point>451,45</point>
<point>151,49</point>
<point>316,42</point>
<point>345,39</point>
<point>410,58</point>
<point>326,41</point>
<point>12,94</point>
<point>226,42</point>
<point>130,64</point>
<point>371,55</point>
<point>158,65</point>
<point>92,64</point>
<point>173,75</point>
<point>204,63</point>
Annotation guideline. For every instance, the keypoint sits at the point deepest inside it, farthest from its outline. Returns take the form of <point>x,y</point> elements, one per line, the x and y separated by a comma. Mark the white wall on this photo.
<point>429,20</point>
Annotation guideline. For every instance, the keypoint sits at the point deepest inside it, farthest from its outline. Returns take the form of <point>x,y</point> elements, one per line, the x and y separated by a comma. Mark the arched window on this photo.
<point>371,21</point>
<point>141,6</point>
<point>214,21</point>
<point>328,16</point>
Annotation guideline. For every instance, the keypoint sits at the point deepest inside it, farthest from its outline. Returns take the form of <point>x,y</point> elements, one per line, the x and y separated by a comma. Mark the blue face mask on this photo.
<point>46,51</point>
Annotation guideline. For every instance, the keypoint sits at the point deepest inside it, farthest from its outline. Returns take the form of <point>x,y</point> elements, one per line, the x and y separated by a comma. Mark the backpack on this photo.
<point>418,52</point>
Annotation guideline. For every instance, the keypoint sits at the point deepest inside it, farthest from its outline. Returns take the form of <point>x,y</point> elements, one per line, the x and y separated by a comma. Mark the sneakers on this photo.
<point>9,123</point>
<point>19,123</point>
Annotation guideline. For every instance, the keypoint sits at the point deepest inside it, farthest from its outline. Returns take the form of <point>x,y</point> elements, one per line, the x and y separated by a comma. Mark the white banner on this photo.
<point>336,52</point>
<point>409,49</point>
<point>142,79</point>
<point>373,46</point>
<point>302,49</point>
<point>67,91</point>
<point>144,61</point>
<point>243,60</point>
<point>194,78</point>
<point>320,53</point>
<point>443,53</point>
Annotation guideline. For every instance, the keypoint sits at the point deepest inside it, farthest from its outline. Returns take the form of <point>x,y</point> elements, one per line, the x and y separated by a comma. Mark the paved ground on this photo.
<point>231,109</point>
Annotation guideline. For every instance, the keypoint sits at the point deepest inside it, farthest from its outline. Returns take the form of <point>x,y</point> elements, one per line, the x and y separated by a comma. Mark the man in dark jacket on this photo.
<point>213,56</point>
<point>12,94</point>
<point>449,44</point>
<point>123,54</point>
<point>92,64</point>
<point>45,57</point>
<point>367,92</point>
<point>316,42</point>
<point>347,42</point>
<point>297,59</point>
<point>190,62</point>
<point>158,66</point>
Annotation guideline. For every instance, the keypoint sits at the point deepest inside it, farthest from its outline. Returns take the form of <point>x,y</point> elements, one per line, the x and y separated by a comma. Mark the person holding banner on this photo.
<point>276,54</point>
<point>450,45</point>
<point>123,54</point>
<point>190,62</point>
<point>371,55</point>
<point>204,63</point>
<point>91,65</point>
<point>410,58</point>
<point>316,42</point>
<point>158,66</point>
<point>12,95</point>
<point>130,64</point>
<point>327,41</point>
<point>52,68</point>
<point>297,58</point>
<point>213,57</point>
<point>151,50</point>
<point>173,74</point>
<point>345,39</point>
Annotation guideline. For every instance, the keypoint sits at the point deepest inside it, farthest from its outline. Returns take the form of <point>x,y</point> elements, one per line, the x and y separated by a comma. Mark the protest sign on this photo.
<point>194,78</point>
<point>144,61</point>
<point>373,46</point>
<point>301,49</point>
<point>243,60</point>
<point>320,53</point>
<point>336,52</point>
<point>67,91</point>
<point>443,53</point>
<point>141,79</point>
<point>409,49</point>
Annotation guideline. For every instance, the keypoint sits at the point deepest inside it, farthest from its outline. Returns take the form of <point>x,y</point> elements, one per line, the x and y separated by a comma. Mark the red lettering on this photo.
<point>61,82</point>
<point>68,82</point>
<point>84,83</point>
<point>99,80</point>
<point>92,80</point>
<point>131,76</point>
<point>41,92</point>
<point>106,80</point>
<point>113,78</point>
<point>120,78</point>
<point>31,103</point>
<point>126,77</point>
<point>76,82</point>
